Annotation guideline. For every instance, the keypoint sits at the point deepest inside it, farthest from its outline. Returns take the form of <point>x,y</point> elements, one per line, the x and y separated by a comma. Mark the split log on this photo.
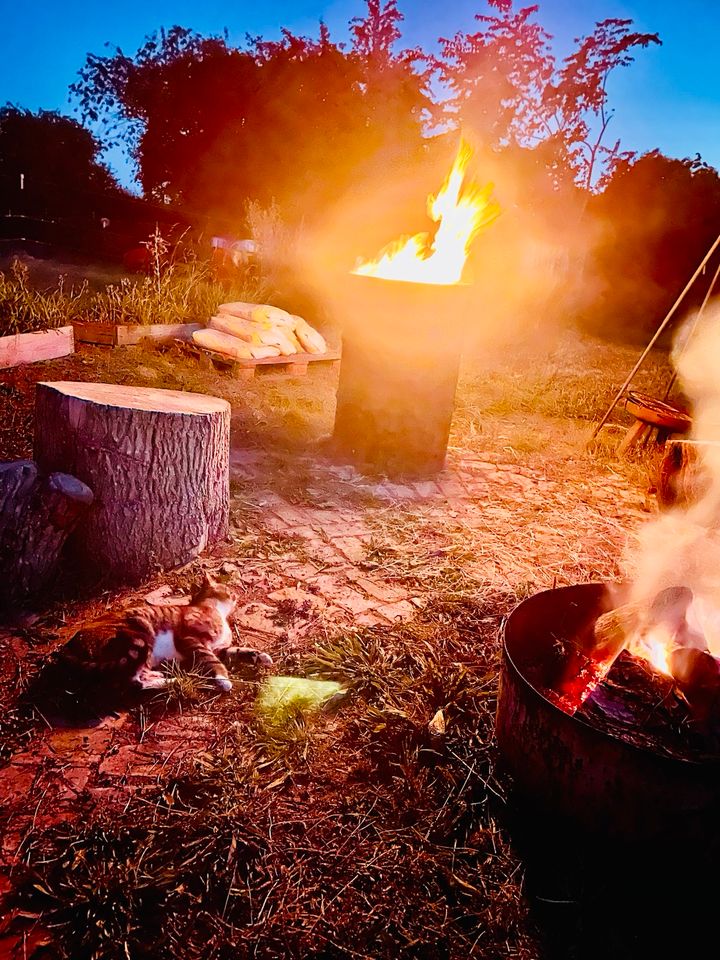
<point>592,652</point>
<point>613,629</point>
<point>37,514</point>
<point>158,462</point>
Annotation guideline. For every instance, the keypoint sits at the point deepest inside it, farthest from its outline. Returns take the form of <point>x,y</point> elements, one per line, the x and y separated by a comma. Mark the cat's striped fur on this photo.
<point>130,647</point>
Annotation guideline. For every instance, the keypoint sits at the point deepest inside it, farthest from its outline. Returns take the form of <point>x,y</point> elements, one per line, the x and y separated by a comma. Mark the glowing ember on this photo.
<point>460,211</point>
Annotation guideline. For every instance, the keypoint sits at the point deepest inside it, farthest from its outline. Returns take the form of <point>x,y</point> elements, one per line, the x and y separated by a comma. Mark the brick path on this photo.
<point>305,568</point>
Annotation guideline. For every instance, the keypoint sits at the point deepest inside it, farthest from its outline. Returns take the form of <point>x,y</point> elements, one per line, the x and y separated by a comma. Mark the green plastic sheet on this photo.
<point>282,697</point>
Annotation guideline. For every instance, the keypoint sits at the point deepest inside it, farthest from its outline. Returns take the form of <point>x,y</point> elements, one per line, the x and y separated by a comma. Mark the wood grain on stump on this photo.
<point>37,514</point>
<point>157,461</point>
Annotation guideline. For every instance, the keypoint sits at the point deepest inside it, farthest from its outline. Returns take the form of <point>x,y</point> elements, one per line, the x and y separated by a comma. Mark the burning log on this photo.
<point>37,514</point>
<point>657,632</point>
<point>613,629</point>
<point>157,461</point>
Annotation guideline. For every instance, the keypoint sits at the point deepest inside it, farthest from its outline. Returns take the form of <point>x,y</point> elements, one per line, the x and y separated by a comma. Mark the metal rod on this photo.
<point>693,328</point>
<point>654,340</point>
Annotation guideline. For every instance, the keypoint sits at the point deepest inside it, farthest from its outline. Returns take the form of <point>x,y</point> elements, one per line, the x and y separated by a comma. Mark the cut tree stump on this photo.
<point>37,514</point>
<point>158,462</point>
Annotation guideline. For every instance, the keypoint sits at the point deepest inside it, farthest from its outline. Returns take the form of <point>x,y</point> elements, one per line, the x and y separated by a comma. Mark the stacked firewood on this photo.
<point>252,331</point>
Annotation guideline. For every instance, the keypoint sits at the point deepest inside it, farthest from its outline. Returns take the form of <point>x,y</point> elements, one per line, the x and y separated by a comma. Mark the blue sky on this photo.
<point>669,98</point>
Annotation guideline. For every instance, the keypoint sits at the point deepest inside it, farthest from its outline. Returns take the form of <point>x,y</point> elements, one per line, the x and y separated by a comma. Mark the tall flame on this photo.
<point>460,212</point>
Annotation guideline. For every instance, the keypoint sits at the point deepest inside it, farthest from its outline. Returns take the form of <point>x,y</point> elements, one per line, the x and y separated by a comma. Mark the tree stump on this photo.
<point>37,514</point>
<point>158,463</point>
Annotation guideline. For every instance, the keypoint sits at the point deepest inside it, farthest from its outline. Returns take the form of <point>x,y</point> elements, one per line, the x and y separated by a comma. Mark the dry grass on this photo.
<point>180,293</point>
<point>354,834</point>
<point>23,308</point>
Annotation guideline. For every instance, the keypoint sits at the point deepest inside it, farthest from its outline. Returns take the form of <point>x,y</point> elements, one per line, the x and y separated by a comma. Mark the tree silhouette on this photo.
<point>294,119</point>
<point>57,160</point>
<point>654,222</point>
<point>506,84</point>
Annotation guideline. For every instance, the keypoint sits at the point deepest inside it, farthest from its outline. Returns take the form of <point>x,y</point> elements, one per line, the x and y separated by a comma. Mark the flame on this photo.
<point>460,212</point>
<point>654,647</point>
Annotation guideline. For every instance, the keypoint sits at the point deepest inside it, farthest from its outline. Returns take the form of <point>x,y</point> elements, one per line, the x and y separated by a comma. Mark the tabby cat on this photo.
<point>127,649</point>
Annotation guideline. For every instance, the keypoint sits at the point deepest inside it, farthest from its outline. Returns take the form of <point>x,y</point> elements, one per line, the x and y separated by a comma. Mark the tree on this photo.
<point>212,125</point>
<point>505,82</point>
<point>167,104</point>
<point>654,223</point>
<point>57,160</point>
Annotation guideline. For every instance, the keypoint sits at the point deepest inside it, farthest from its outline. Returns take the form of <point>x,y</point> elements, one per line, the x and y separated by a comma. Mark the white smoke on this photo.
<point>681,547</point>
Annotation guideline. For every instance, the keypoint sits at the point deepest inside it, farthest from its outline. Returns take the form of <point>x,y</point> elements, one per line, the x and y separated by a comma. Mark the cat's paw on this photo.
<point>224,684</point>
<point>149,680</point>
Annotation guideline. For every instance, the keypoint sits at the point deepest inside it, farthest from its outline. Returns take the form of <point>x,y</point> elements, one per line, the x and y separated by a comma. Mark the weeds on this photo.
<point>182,293</point>
<point>24,309</point>
<point>178,293</point>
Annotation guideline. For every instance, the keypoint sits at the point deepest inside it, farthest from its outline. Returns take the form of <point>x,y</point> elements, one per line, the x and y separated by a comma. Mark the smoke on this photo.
<point>682,546</point>
<point>524,270</point>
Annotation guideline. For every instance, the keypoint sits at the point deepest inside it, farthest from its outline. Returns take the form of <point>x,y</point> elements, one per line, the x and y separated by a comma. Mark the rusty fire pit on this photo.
<point>567,767</point>
<point>619,843</point>
<point>401,356</point>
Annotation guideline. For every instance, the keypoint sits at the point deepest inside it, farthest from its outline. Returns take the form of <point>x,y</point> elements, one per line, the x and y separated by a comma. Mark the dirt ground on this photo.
<point>185,826</point>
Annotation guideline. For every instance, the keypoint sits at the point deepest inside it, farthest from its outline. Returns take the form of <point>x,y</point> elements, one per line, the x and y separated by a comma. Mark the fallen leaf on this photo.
<point>437,724</point>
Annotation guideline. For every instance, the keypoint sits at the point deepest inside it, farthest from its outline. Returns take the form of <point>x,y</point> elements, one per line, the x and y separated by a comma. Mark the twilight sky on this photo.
<point>669,98</point>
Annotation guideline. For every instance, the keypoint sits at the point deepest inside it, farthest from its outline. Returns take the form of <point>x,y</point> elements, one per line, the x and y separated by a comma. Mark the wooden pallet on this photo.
<point>293,366</point>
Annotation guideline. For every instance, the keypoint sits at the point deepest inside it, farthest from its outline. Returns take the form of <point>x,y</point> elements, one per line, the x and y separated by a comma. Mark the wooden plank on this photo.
<point>130,334</point>
<point>299,358</point>
<point>39,345</point>
<point>101,333</point>
<point>295,365</point>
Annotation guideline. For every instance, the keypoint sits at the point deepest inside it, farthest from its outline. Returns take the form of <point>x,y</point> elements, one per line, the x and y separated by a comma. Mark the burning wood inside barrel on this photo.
<point>642,653</point>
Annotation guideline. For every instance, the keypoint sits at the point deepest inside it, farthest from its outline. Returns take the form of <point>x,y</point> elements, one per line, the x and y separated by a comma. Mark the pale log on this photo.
<point>158,462</point>
<point>37,514</point>
<point>20,348</point>
<point>613,629</point>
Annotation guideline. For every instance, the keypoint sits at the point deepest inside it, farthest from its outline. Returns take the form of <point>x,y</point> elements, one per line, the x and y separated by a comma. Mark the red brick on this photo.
<point>16,781</point>
<point>355,602</point>
<point>351,547</point>
<point>76,778</point>
<point>426,488</point>
<point>130,760</point>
